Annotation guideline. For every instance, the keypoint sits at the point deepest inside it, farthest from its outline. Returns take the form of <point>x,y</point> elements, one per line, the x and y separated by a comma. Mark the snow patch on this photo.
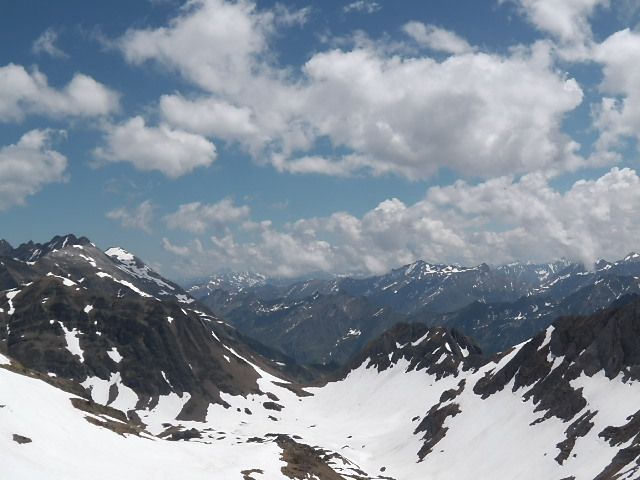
<point>67,282</point>
<point>73,341</point>
<point>129,285</point>
<point>10,296</point>
<point>4,360</point>
<point>114,355</point>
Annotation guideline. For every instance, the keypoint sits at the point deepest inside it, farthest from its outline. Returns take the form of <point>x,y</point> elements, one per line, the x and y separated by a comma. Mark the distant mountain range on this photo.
<point>109,370</point>
<point>326,321</point>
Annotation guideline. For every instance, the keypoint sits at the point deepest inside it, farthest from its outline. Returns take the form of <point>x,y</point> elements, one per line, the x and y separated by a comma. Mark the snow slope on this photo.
<point>369,418</point>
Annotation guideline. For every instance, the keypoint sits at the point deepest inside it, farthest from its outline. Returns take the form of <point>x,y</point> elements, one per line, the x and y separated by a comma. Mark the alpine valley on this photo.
<point>108,370</point>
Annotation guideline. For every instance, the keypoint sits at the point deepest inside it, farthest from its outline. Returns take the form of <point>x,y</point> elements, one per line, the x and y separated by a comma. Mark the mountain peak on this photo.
<point>632,257</point>
<point>5,248</point>
<point>438,350</point>
<point>31,252</point>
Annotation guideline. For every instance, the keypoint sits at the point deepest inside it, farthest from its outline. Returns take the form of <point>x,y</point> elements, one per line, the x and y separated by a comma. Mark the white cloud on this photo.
<point>197,217</point>
<point>208,42</point>
<point>211,117</point>
<point>496,221</point>
<point>46,44</point>
<point>170,151</point>
<point>567,21</point>
<point>618,114</point>
<point>477,114</point>
<point>27,166</point>
<point>175,249</point>
<point>386,113</point>
<point>437,38</point>
<point>362,6</point>
<point>23,93</point>
<point>139,218</point>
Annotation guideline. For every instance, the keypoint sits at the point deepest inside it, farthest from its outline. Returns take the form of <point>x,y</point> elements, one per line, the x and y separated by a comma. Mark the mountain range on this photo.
<point>327,321</point>
<point>107,370</point>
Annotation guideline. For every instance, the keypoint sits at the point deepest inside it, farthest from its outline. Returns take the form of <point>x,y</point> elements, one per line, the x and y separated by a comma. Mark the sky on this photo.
<point>339,137</point>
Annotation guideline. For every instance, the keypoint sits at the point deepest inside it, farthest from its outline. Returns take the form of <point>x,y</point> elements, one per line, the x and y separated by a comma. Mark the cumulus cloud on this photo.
<point>477,114</point>
<point>23,92</point>
<point>567,21</point>
<point>171,151</point>
<point>27,166</point>
<point>211,117</point>
<point>362,6</point>
<point>234,33</point>
<point>46,44</point>
<point>140,218</point>
<point>496,221</point>
<point>382,111</point>
<point>618,114</point>
<point>197,217</point>
<point>437,38</point>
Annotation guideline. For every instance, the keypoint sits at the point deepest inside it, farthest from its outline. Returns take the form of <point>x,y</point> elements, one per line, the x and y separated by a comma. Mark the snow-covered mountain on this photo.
<point>233,282</point>
<point>126,336</point>
<point>417,403</point>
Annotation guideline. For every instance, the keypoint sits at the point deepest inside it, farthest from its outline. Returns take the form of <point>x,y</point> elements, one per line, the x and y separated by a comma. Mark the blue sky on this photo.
<point>336,136</point>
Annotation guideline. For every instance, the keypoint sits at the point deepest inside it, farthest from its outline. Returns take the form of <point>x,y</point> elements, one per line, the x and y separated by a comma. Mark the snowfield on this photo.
<point>368,418</point>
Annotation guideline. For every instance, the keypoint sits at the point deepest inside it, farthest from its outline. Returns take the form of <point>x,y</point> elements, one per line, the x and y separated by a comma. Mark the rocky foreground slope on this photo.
<point>120,390</point>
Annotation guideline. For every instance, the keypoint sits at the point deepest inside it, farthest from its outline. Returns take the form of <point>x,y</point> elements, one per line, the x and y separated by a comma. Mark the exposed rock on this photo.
<point>21,439</point>
<point>432,425</point>
<point>578,428</point>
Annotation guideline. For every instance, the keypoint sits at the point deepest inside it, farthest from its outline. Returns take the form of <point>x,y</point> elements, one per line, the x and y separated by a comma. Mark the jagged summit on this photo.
<point>31,252</point>
<point>439,351</point>
<point>231,281</point>
<point>632,257</point>
<point>5,248</point>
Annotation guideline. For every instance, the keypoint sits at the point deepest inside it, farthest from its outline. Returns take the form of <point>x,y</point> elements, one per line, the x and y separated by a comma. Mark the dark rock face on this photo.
<point>608,341</point>
<point>617,436</point>
<point>578,428</point>
<point>433,426</point>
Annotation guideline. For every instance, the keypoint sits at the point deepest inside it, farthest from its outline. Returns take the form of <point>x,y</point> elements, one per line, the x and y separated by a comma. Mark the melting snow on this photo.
<point>4,360</point>
<point>125,283</point>
<point>10,296</point>
<point>420,340</point>
<point>114,355</point>
<point>65,281</point>
<point>129,265</point>
<point>120,254</point>
<point>184,299</point>
<point>73,341</point>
